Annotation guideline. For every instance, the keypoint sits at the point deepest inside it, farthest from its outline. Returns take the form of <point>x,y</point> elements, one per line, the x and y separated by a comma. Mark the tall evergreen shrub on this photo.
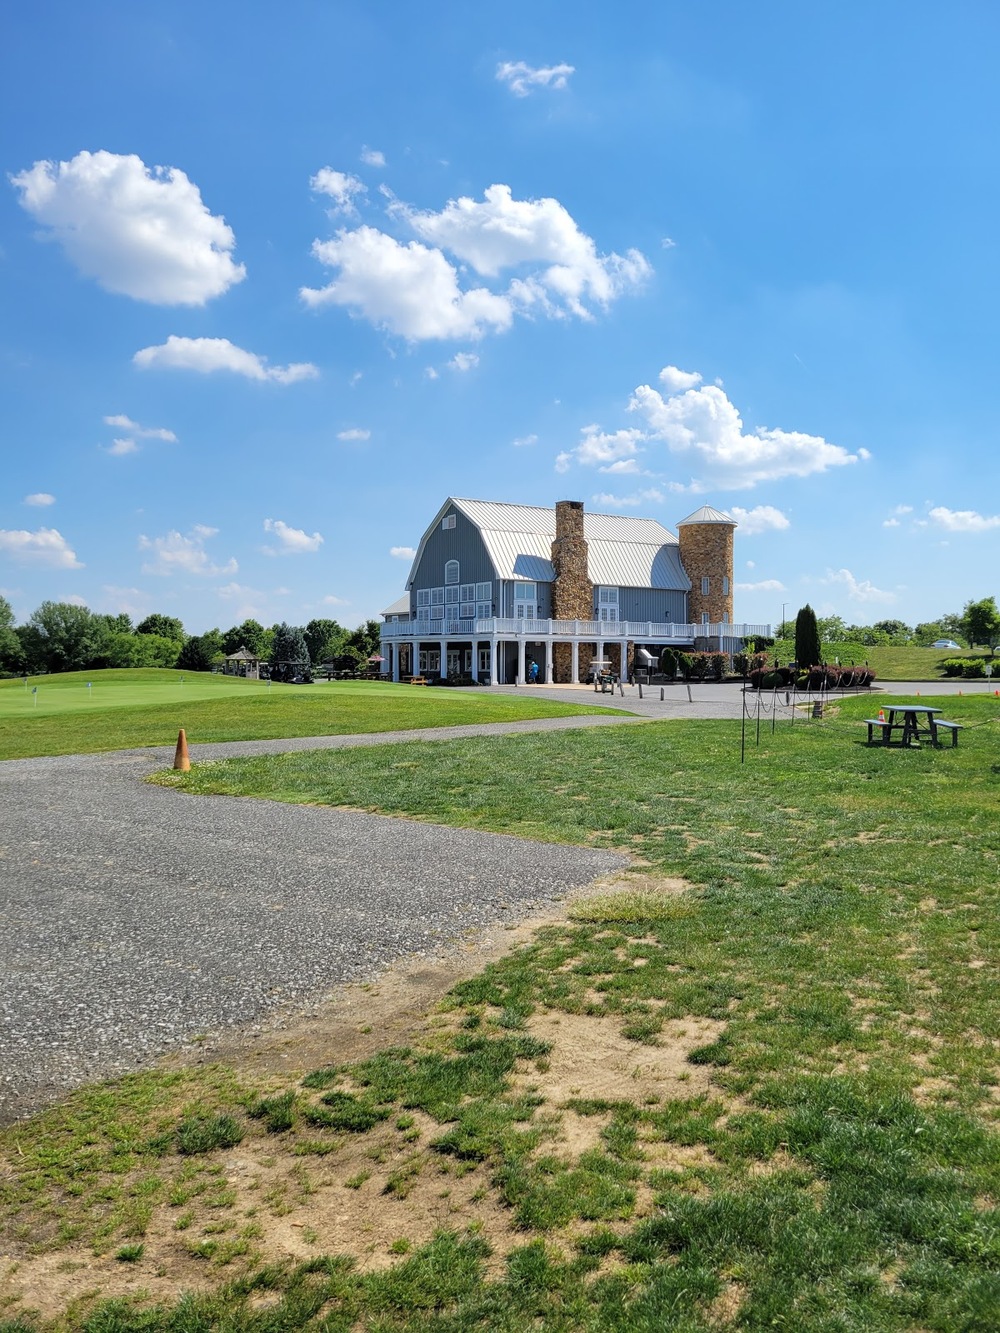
<point>807,649</point>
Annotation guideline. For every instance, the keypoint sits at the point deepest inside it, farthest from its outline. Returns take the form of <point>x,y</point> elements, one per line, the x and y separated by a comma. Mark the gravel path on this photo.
<point>133,918</point>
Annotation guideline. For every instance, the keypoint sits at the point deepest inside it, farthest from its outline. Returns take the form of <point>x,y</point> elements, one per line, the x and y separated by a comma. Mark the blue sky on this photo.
<point>276,281</point>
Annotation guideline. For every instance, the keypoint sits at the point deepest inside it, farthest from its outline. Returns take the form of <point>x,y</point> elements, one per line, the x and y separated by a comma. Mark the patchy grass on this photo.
<point>887,663</point>
<point>753,1084</point>
<point>146,706</point>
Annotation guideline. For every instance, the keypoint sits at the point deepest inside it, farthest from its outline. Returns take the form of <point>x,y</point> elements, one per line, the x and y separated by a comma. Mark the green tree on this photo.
<point>325,639</point>
<point>981,623</point>
<point>11,652</point>
<point>897,631</point>
<point>250,635</point>
<point>807,647</point>
<point>118,624</point>
<point>69,638</point>
<point>366,638</point>
<point>289,653</point>
<point>831,629</point>
<point>167,626</point>
<point>201,652</point>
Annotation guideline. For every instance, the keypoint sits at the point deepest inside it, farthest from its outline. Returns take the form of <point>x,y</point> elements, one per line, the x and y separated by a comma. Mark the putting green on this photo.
<point>145,687</point>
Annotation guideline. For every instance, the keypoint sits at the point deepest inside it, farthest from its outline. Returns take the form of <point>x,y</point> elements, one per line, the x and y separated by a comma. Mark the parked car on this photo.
<point>945,643</point>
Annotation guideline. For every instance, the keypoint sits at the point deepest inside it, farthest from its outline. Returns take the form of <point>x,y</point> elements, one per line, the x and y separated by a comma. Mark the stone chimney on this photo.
<point>572,591</point>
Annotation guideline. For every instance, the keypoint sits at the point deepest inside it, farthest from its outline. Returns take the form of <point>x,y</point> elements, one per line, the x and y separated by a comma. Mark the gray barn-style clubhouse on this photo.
<point>496,587</point>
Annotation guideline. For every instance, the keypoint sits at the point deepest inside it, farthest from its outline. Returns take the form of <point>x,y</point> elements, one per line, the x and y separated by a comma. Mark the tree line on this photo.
<point>977,624</point>
<point>61,636</point>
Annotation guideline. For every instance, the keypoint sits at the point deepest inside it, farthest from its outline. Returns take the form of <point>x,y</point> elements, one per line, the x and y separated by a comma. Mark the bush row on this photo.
<point>969,668</point>
<point>814,678</point>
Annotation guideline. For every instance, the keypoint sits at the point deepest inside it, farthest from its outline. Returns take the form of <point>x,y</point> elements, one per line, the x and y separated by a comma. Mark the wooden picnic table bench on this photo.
<point>419,680</point>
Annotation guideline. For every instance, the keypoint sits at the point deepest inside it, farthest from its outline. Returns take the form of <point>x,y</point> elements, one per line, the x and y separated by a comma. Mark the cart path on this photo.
<point>134,918</point>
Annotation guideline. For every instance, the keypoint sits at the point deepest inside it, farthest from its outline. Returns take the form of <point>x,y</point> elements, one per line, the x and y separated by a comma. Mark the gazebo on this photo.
<point>243,663</point>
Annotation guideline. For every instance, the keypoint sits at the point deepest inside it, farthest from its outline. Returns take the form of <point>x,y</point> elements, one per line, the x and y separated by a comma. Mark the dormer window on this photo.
<point>451,571</point>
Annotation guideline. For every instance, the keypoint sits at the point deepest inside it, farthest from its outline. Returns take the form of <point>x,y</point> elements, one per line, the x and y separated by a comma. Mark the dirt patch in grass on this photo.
<point>590,1059</point>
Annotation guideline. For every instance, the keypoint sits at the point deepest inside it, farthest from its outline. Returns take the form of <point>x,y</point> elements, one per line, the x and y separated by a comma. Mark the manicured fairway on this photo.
<point>83,712</point>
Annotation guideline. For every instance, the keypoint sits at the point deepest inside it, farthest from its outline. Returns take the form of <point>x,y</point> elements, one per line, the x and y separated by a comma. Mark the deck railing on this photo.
<point>609,630</point>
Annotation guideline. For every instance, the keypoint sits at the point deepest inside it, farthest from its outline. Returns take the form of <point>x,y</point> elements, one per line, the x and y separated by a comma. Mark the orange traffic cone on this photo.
<point>881,714</point>
<point>182,761</point>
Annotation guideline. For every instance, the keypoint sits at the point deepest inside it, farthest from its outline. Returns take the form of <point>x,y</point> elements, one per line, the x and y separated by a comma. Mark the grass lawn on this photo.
<point>81,712</point>
<point>887,663</point>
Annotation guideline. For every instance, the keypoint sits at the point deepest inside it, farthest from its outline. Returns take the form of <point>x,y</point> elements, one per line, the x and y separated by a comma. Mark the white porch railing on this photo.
<point>650,631</point>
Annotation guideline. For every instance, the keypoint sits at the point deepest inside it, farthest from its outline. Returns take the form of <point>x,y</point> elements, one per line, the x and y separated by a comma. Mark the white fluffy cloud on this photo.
<point>371,157</point>
<point>121,446</point>
<point>701,425</point>
<point>46,547</point>
<point>355,433</point>
<point>677,381</point>
<point>340,186</point>
<point>502,232</point>
<point>463,361</point>
<point>409,289</point>
<point>402,552</point>
<point>521,77</point>
<point>415,290</point>
<point>765,585</point>
<point>525,441</point>
<point>176,553</point>
<point>141,232</point>
<point>291,541</point>
<point>762,518</point>
<point>858,590</point>
<point>207,355</point>
<point>650,496</point>
<point>40,498</point>
<point>963,520</point>
<point>140,432</point>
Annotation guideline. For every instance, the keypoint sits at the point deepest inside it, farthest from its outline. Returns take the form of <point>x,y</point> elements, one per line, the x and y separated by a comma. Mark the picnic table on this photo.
<point>912,721</point>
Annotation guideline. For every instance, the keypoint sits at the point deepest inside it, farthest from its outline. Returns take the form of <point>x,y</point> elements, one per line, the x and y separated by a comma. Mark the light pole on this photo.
<point>783,605</point>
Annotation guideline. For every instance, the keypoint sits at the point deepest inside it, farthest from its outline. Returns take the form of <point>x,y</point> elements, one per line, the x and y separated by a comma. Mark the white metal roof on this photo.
<point>400,607</point>
<point>622,551</point>
<point>706,514</point>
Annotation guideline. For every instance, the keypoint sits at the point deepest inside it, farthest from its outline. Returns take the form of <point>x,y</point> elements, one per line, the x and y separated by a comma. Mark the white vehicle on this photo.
<point>945,643</point>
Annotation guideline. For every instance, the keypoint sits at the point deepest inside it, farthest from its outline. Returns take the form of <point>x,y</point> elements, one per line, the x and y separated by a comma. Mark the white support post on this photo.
<point>548,662</point>
<point>394,650</point>
<point>520,659</point>
<point>494,678</point>
<point>475,661</point>
<point>444,660</point>
<point>574,671</point>
<point>600,651</point>
<point>624,661</point>
<point>415,658</point>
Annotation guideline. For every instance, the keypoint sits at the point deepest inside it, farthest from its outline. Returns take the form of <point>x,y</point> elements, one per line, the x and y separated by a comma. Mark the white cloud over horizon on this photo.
<point>39,499</point>
<point>765,585</point>
<point>355,433</point>
<point>138,231</point>
<point>122,422</point>
<point>762,518</point>
<point>45,546</point>
<point>521,78</point>
<point>403,552</point>
<point>858,590</point>
<point>291,541</point>
<point>208,355</point>
<point>177,553</point>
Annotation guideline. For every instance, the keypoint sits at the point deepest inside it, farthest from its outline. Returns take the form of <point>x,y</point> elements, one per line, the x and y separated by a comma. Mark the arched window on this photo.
<point>451,571</point>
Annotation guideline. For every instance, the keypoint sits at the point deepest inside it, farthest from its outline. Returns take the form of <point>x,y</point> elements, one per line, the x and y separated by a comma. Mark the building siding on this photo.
<point>658,604</point>
<point>462,543</point>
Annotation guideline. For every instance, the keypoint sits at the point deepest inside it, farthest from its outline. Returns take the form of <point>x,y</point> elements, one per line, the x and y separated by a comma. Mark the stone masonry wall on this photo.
<point>572,590</point>
<point>707,551</point>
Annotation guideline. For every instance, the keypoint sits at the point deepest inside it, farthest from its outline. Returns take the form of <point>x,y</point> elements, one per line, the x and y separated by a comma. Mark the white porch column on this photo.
<point>600,651</point>
<point>624,660</point>
<point>520,659</point>
<point>475,660</point>
<point>415,658</point>
<point>548,662</point>
<point>394,649</point>
<point>574,673</point>
<point>443,673</point>
<point>494,680</point>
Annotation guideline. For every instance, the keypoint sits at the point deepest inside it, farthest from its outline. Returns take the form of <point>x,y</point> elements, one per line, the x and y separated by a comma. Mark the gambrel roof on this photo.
<point>622,551</point>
